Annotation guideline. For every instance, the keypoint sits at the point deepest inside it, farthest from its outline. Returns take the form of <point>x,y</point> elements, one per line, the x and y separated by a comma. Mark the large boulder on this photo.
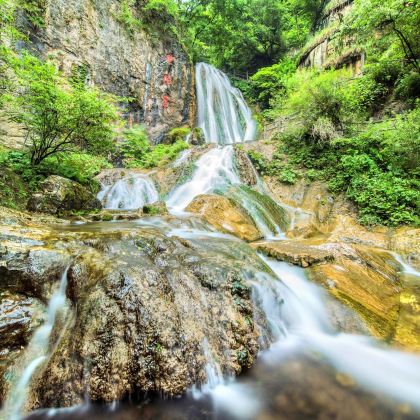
<point>225,216</point>
<point>58,194</point>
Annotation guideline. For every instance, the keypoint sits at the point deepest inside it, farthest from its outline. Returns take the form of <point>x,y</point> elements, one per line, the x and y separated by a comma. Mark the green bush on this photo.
<point>139,153</point>
<point>408,88</point>
<point>126,16</point>
<point>177,134</point>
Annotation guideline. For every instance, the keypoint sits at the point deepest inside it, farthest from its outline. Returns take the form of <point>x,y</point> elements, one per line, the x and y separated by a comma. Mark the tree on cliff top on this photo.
<point>58,116</point>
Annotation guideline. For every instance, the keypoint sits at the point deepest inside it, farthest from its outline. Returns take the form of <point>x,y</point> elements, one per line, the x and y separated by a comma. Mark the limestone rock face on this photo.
<point>225,216</point>
<point>60,194</point>
<point>87,37</point>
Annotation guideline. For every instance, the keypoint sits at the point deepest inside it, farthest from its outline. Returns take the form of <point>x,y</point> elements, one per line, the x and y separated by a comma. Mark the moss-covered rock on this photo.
<point>58,194</point>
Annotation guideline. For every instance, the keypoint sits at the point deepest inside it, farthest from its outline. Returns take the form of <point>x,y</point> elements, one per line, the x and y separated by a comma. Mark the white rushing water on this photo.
<point>215,169</point>
<point>130,193</point>
<point>302,319</point>
<point>36,353</point>
<point>223,114</point>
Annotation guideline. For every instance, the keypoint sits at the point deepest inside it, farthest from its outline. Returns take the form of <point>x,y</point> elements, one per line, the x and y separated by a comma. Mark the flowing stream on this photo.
<point>306,352</point>
<point>36,353</point>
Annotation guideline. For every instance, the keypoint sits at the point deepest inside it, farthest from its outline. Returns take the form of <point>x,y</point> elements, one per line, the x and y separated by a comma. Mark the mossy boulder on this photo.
<point>155,209</point>
<point>197,138</point>
<point>176,134</point>
<point>58,195</point>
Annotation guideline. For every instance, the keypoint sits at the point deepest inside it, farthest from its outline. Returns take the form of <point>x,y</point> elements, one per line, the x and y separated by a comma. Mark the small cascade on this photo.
<point>36,353</point>
<point>215,170</point>
<point>130,193</point>
<point>297,315</point>
<point>223,114</point>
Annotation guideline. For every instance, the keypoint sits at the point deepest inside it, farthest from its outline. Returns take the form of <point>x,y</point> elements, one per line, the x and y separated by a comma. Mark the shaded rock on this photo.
<point>245,168</point>
<point>60,195</point>
<point>32,270</point>
<point>197,137</point>
<point>155,209</point>
<point>295,253</point>
<point>225,216</point>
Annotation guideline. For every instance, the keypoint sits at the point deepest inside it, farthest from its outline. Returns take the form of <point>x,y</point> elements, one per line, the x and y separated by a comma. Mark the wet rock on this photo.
<point>225,216</point>
<point>155,209</point>
<point>295,253</point>
<point>19,316</point>
<point>60,195</point>
<point>197,137</point>
<point>31,270</point>
<point>148,307</point>
<point>406,241</point>
<point>245,168</point>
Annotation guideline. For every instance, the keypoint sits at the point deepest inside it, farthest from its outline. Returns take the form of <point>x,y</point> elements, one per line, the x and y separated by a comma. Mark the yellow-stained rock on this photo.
<point>368,282</point>
<point>225,216</point>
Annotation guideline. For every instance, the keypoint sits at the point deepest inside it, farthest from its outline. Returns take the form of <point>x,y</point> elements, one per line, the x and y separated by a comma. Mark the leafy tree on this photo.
<point>381,25</point>
<point>58,117</point>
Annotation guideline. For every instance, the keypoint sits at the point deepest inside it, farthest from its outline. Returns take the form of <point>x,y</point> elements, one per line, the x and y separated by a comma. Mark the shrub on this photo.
<point>408,88</point>
<point>177,134</point>
<point>139,153</point>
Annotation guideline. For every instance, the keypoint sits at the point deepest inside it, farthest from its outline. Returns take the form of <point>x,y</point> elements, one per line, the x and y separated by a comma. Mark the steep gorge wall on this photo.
<point>89,38</point>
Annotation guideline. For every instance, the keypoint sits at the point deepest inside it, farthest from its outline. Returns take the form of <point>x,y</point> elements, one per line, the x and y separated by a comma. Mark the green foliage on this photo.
<point>259,161</point>
<point>408,87</point>
<point>58,117</point>
<point>177,134</point>
<point>387,29</point>
<point>127,18</point>
<point>270,81</point>
<point>244,35</point>
<point>35,11</point>
<point>377,168</point>
<point>139,153</point>
<point>80,167</point>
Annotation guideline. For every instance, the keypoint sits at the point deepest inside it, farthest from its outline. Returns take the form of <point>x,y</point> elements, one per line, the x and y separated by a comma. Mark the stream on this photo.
<point>309,368</point>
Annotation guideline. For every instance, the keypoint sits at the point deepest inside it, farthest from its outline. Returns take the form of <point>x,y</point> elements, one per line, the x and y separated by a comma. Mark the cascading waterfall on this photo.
<point>223,114</point>
<point>130,193</point>
<point>36,353</point>
<point>215,169</point>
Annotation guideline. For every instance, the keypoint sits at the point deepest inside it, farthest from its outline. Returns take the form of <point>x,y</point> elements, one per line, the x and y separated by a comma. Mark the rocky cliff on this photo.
<point>93,39</point>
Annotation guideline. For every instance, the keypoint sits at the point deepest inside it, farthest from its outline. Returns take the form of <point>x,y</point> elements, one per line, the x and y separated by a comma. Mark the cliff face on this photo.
<point>87,37</point>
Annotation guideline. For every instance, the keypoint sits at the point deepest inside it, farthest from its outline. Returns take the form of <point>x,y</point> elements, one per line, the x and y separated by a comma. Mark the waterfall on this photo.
<point>223,114</point>
<point>130,193</point>
<point>36,353</point>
